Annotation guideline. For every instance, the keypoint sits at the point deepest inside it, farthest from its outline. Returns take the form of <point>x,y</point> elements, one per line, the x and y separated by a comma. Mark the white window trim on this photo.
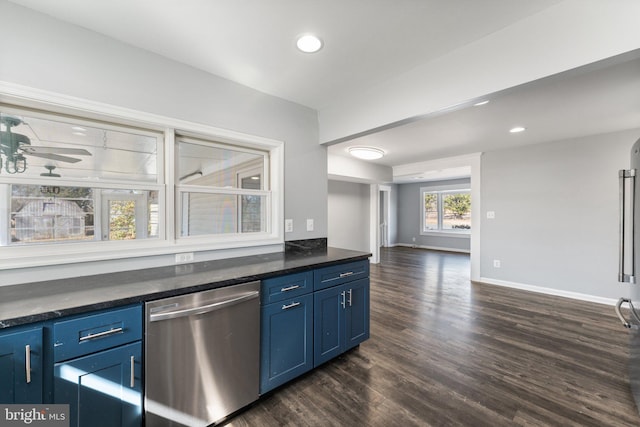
<point>42,255</point>
<point>442,189</point>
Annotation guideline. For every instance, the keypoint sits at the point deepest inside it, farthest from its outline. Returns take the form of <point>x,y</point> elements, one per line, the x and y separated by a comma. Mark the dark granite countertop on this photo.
<point>33,302</point>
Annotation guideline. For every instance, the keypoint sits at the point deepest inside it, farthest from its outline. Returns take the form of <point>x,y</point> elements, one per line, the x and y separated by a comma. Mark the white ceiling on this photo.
<point>252,42</point>
<point>367,42</point>
<point>595,99</point>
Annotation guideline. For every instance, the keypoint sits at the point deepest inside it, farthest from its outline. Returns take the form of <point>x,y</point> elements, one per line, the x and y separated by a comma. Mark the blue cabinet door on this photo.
<point>102,389</point>
<point>357,313</point>
<point>286,341</point>
<point>328,323</point>
<point>21,366</point>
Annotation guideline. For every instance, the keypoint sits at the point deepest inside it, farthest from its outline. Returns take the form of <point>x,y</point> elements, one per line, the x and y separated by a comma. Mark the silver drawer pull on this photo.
<point>293,304</point>
<point>27,362</point>
<point>289,288</point>
<point>133,372</point>
<point>348,273</point>
<point>101,334</point>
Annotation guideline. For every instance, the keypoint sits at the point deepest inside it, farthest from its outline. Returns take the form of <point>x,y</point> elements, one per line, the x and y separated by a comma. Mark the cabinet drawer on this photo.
<point>87,334</point>
<point>286,287</point>
<point>342,273</point>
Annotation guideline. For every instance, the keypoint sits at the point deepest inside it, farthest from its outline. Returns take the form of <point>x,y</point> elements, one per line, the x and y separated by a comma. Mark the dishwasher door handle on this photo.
<point>204,308</point>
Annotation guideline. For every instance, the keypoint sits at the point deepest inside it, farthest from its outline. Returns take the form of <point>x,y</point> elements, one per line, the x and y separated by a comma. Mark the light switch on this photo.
<point>288,225</point>
<point>491,215</point>
<point>309,224</point>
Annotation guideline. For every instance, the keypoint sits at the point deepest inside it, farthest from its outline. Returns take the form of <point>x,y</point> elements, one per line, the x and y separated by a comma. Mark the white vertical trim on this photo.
<point>476,216</point>
<point>386,190</point>
<point>374,220</point>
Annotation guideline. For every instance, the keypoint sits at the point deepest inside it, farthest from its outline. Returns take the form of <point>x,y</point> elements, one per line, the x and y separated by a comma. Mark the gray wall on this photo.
<point>408,205</point>
<point>348,205</point>
<point>556,208</point>
<point>54,56</point>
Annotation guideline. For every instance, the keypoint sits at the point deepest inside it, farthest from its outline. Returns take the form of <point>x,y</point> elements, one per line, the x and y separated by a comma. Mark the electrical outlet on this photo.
<point>184,257</point>
<point>309,224</point>
<point>288,225</point>
<point>496,263</point>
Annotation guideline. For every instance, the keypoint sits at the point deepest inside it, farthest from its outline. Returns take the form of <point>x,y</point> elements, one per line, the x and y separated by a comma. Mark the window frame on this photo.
<point>439,191</point>
<point>25,101</point>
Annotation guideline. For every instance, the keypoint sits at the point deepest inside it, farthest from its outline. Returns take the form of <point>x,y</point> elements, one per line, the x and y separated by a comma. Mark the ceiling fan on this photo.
<point>15,146</point>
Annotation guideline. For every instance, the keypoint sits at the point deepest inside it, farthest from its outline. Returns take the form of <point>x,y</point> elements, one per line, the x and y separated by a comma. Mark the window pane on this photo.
<point>34,147</point>
<point>430,211</point>
<point>213,166</point>
<point>219,214</point>
<point>456,211</point>
<point>49,213</point>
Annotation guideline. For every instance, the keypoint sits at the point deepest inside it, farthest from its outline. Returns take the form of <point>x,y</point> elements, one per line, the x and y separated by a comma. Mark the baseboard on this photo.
<point>549,291</point>
<point>433,248</point>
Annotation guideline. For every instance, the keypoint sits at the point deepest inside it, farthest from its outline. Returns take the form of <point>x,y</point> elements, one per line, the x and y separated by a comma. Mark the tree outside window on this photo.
<point>446,211</point>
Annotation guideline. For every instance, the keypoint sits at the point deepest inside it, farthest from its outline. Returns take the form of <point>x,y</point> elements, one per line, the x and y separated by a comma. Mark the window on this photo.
<point>446,211</point>
<point>101,190</point>
<point>67,180</point>
<point>221,189</point>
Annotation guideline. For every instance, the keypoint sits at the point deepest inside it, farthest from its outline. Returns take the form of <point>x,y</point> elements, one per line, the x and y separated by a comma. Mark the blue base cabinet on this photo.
<point>102,389</point>
<point>341,319</point>
<point>286,335</point>
<point>309,318</point>
<point>21,366</point>
<point>98,367</point>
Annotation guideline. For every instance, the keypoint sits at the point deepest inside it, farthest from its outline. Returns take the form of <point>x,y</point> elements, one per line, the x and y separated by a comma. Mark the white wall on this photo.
<point>567,35</point>
<point>556,215</point>
<point>54,56</point>
<point>348,204</point>
<point>341,168</point>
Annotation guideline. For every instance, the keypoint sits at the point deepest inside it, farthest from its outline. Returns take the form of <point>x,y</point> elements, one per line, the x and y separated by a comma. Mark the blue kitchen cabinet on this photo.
<point>102,389</point>
<point>21,365</point>
<point>286,329</point>
<point>286,341</point>
<point>98,365</point>
<point>341,309</point>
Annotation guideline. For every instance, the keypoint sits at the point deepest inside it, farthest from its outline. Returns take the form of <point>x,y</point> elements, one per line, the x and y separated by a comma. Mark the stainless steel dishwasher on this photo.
<point>202,355</point>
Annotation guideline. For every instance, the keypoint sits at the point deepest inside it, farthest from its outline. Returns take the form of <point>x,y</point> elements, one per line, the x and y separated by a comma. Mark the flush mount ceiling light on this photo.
<point>478,104</point>
<point>308,43</point>
<point>517,129</point>
<point>366,153</point>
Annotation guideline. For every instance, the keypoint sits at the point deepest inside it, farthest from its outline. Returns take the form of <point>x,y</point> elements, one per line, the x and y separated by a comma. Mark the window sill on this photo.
<point>458,234</point>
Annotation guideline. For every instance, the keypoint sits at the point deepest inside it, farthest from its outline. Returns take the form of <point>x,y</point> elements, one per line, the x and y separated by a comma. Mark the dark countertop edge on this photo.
<point>119,302</point>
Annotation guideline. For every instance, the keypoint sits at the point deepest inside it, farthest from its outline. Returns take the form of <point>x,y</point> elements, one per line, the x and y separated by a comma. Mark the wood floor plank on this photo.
<point>445,351</point>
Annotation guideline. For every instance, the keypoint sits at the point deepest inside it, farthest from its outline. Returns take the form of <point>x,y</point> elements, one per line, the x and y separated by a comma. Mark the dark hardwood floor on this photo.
<point>448,352</point>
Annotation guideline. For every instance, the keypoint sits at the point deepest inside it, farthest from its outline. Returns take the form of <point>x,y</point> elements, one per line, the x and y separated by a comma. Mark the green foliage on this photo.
<point>457,204</point>
<point>431,201</point>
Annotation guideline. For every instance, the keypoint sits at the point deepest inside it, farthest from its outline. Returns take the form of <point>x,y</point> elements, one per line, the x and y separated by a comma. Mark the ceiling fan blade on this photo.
<point>52,156</point>
<point>54,150</point>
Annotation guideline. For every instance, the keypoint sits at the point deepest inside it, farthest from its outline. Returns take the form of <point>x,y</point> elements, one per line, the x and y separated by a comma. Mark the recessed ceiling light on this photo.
<point>78,129</point>
<point>478,104</point>
<point>517,129</point>
<point>308,43</point>
<point>79,133</point>
<point>366,153</point>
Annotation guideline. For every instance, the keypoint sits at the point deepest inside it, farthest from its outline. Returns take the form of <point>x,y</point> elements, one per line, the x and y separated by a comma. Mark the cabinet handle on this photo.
<point>348,273</point>
<point>289,288</point>
<point>133,372</point>
<point>293,304</point>
<point>344,299</point>
<point>623,175</point>
<point>101,334</point>
<point>350,297</point>
<point>27,362</point>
